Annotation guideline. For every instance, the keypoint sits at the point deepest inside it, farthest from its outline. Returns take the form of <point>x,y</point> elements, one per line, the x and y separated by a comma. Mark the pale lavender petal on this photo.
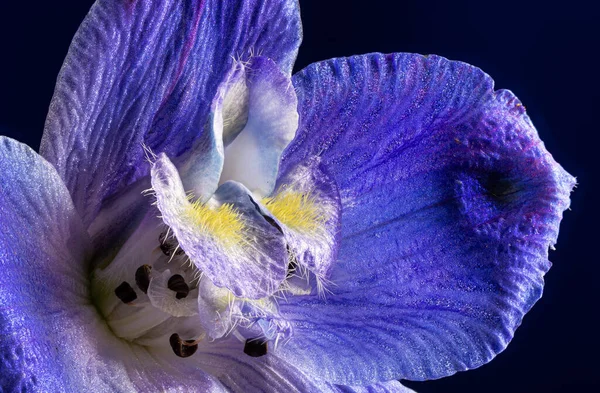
<point>252,157</point>
<point>312,229</point>
<point>241,373</point>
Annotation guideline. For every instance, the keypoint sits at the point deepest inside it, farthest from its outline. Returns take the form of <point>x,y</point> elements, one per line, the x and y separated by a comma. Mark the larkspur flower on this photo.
<point>200,220</point>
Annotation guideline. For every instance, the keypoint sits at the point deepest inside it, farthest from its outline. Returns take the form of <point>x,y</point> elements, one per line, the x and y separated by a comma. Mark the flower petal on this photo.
<point>42,245</point>
<point>252,157</point>
<point>385,387</point>
<point>306,204</point>
<point>145,72</point>
<point>266,374</point>
<point>216,306</point>
<point>227,238</point>
<point>450,203</point>
<point>165,299</point>
<point>52,337</point>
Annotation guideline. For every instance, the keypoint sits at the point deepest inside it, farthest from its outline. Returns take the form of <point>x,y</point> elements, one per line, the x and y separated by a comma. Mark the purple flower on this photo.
<point>200,220</point>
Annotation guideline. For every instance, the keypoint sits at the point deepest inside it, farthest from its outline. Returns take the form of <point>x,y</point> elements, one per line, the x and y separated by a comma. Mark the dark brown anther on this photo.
<point>142,277</point>
<point>177,284</point>
<point>255,347</point>
<point>169,246</point>
<point>125,293</point>
<point>183,349</point>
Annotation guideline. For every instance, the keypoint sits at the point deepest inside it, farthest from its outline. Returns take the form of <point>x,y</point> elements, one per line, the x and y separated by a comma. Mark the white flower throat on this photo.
<point>151,294</point>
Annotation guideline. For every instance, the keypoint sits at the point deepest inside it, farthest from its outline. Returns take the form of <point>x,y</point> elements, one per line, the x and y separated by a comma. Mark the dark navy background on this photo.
<point>544,51</point>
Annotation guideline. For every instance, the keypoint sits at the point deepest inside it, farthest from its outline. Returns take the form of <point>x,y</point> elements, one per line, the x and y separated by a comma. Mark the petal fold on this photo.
<point>450,203</point>
<point>144,73</point>
<point>307,206</point>
<point>254,146</point>
<point>227,238</point>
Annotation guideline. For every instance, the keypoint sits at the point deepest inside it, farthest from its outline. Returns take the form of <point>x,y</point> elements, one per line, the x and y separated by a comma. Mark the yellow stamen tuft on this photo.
<point>224,223</point>
<point>296,210</point>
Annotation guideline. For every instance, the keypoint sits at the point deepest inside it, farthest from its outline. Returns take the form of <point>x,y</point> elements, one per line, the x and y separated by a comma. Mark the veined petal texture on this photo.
<point>269,373</point>
<point>450,203</point>
<point>52,338</point>
<point>41,237</point>
<point>145,72</point>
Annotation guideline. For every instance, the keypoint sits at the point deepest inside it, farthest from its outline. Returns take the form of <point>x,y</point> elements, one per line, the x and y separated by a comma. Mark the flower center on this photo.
<point>149,292</point>
<point>152,295</point>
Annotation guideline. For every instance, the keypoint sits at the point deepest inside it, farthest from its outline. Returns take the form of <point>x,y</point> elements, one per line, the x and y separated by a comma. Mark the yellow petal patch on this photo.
<point>296,210</point>
<point>223,223</point>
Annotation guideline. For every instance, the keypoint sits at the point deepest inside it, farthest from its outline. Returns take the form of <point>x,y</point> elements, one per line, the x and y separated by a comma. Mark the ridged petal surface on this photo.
<point>450,203</point>
<point>145,72</point>
<point>52,338</point>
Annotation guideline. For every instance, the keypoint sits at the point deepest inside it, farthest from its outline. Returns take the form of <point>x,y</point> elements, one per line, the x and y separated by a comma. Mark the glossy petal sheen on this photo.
<point>52,338</point>
<point>449,206</point>
<point>146,72</point>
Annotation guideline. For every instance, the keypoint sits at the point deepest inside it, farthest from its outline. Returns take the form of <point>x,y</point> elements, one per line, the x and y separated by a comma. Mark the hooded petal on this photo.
<point>253,118</point>
<point>252,156</point>
<point>227,238</point>
<point>145,72</point>
<point>449,205</point>
<point>51,337</point>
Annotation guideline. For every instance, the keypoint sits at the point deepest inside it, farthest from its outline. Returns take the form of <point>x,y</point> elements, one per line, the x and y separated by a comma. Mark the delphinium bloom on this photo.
<point>200,220</point>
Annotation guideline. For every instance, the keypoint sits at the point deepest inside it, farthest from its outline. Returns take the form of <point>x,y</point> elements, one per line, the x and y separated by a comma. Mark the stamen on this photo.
<point>183,349</point>
<point>177,284</point>
<point>255,347</point>
<point>169,246</point>
<point>125,293</point>
<point>142,277</point>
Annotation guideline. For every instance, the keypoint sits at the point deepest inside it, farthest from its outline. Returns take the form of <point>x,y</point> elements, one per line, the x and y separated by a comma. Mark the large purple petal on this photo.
<point>40,238</point>
<point>52,338</point>
<point>146,72</point>
<point>449,206</point>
